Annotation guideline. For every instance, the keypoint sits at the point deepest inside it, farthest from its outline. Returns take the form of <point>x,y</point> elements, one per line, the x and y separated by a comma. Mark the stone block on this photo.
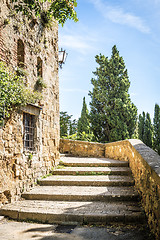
<point>142,161</point>
<point>1,146</point>
<point>12,154</point>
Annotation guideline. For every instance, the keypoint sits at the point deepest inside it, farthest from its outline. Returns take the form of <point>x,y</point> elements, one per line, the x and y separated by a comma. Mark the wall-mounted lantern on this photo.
<point>62,57</point>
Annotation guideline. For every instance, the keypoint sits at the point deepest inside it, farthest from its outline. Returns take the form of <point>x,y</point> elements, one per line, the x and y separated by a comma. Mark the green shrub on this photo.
<point>13,92</point>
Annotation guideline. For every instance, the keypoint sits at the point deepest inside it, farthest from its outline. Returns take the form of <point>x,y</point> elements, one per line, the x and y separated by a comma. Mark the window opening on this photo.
<point>39,67</point>
<point>20,53</point>
<point>29,129</point>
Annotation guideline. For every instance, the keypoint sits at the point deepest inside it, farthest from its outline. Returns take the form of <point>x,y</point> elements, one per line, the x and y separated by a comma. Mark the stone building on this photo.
<point>29,140</point>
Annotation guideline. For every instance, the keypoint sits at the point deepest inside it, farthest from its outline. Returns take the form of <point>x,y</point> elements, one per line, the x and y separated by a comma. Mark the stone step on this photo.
<point>92,171</point>
<point>95,180</point>
<point>74,212</point>
<point>81,193</point>
<point>66,155</point>
<point>86,190</point>
<point>92,162</point>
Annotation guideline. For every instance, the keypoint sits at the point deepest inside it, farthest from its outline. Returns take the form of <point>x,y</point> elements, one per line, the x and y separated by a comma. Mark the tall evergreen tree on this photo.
<point>141,125</point>
<point>73,127</point>
<point>148,131</point>
<point>83,121</point>
<point>113,115</point>
<point>65,120</point>
<point>135,134</point>
<point>156,127</point>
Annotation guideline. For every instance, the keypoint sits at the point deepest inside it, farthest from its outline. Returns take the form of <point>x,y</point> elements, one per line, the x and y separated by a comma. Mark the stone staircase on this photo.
<point>81,190</point>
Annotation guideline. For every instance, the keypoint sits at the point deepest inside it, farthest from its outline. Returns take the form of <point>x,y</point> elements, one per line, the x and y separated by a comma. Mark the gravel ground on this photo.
<point>12,230</point>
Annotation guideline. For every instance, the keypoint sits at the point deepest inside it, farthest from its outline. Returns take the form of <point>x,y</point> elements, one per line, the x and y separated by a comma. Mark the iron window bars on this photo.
<point>29,126</point>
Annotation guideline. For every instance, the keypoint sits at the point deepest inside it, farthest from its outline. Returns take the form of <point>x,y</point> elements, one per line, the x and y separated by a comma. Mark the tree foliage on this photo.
<point>156,126</point>
<point>65,120</point>
<point>145,129</point>
<point>112,115</point>
<point>67,125</point>
<point>73,127</point>
<point>135,134</point>
<point>83,137</point>
<point>141,125</point>
<point>148,131</point>
<point>61,10</point>
<point>13,92</point>
<point>83,121</point>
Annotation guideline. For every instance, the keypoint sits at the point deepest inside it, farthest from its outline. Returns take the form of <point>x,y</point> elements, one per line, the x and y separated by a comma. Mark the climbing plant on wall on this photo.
<point>61,10</point>
<point>13,92</point>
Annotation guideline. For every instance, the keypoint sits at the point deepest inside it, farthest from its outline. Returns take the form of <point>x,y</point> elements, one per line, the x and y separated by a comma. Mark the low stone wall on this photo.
<point>144,163</point>
<point>82,148</point>
<point>145,166</point>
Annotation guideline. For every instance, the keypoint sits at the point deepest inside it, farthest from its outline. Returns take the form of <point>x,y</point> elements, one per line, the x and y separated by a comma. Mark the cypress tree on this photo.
<point>113,115</point>
<point>148,131</point>
<point>135,134</point>
<point>156,129</point>
<point>83,121</point>
<point>141,125</point>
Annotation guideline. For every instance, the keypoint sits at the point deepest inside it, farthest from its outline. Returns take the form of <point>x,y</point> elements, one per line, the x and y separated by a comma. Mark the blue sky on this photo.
<point>134,26</point>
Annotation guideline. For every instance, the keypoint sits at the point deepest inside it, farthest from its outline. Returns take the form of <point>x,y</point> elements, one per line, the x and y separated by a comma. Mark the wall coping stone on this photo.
<point>82,148</point>
<point>80,141</point>
<point>148,154</point>
<point>144,163</point>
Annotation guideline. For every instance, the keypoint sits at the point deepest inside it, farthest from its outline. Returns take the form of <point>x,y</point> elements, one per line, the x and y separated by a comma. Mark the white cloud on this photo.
<point>118,15</point>
<point>74,42</point>
<point>79,38</point>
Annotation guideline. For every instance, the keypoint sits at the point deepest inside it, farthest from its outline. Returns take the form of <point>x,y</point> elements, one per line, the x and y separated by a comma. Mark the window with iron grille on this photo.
<point>29,130</point>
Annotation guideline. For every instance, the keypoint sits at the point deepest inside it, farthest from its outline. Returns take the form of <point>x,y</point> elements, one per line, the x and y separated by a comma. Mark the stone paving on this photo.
<point>77,212</point>
<point>81,204</point>
<point>12,230</point>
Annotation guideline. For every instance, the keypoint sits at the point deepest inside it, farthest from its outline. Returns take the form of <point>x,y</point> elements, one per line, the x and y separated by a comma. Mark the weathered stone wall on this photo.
<point>20,168</point>
<point>82,148</point>
<point>145,166</point>
<point>144,163</point>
